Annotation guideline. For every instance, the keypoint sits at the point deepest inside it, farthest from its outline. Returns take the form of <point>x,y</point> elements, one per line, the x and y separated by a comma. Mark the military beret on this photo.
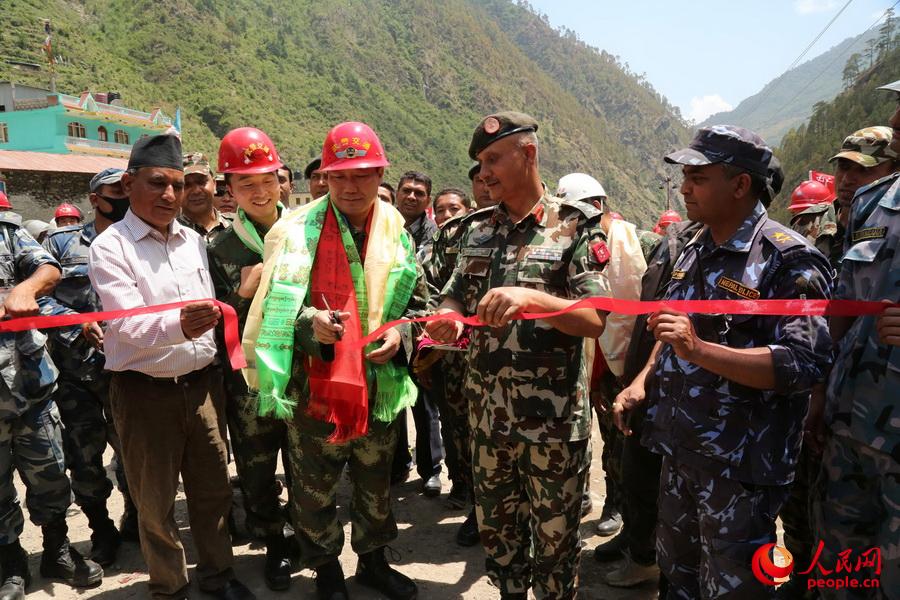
<point>498,126</point>
<point>474,170</point>
<point>725,144</point>
<point>157,151</point>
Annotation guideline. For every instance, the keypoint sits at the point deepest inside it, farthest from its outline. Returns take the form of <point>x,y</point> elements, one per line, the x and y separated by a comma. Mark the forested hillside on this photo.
<point>422,72</point>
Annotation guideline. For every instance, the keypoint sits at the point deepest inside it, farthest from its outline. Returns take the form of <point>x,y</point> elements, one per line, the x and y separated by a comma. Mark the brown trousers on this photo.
<point>167,429</point>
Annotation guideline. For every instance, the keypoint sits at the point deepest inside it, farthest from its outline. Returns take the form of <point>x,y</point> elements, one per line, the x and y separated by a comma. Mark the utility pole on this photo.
<point>668,186</point>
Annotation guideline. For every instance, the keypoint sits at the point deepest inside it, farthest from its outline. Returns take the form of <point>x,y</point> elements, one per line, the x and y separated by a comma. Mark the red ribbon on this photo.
<point>232,339</point>
<point>808,308</point>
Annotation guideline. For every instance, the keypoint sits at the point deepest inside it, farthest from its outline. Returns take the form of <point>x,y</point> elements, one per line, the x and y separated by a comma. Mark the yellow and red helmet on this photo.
<point>248,151</point>
<point>352,145</point>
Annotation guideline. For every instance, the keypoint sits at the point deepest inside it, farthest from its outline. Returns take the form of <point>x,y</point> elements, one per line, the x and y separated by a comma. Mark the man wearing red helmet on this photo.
<point>4,202</point>
<point>666,219</point>
<point>335,270</point>
<point>66,215</point>
<point>252,169</point>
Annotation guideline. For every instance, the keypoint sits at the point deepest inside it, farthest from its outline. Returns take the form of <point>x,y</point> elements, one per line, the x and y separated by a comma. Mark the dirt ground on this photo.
<point>428,552</point>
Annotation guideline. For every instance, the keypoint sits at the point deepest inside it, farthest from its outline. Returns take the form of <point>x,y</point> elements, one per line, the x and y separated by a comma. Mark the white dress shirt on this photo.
<point>133,265</point>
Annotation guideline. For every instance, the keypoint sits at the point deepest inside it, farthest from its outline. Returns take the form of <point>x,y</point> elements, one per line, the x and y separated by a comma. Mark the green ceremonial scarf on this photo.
<point>390,268</point>
<point>246,230</point>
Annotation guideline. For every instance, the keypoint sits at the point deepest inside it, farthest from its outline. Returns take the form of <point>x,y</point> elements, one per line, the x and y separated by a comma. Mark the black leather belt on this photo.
<point>179,379</point>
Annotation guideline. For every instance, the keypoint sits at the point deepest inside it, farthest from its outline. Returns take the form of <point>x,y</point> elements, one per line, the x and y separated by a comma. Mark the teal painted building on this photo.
<point>37,120</point>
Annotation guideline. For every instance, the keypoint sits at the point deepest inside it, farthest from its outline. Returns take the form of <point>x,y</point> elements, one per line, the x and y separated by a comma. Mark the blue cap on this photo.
<point>725,144</point>
<point>106,177</point>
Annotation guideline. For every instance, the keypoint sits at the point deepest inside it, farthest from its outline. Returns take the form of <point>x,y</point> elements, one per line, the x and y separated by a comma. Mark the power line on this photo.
<point>765,93</point>
<point>839,56</point>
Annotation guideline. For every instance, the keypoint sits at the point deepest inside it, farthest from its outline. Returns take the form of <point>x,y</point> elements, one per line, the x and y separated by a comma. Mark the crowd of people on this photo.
<point>713,425</point>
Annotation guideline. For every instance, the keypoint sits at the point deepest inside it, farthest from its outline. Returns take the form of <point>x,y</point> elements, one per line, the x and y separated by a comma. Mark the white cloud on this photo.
<point>808,7</point>
<point>702,107</point>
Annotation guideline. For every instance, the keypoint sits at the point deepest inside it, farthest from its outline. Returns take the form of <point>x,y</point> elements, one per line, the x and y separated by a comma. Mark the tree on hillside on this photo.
<point>886,34</point>
<point>852,69</point>
<point>871,47</point>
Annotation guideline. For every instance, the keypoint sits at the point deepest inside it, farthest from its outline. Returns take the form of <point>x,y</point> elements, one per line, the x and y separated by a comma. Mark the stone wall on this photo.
<point>36,194</point>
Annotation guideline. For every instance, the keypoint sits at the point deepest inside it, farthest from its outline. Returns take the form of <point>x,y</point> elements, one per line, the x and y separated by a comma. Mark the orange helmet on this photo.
<point>352,146</point>
<point>808,194</point>
<point>248,151</point>
<point>67,210</point>
<point>4,201</point>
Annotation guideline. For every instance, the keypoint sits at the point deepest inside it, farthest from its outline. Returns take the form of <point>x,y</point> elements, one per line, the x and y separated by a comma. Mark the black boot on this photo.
<point>105,538</point>
<point>14,566</point>
<point>610,520</point>
<point>278,566</point>
<point>128,526</point>
<point>330,584</point>
<point>60,561</point>
<point>610,550</point>
<point>373,571</point>
<point>467,534</point>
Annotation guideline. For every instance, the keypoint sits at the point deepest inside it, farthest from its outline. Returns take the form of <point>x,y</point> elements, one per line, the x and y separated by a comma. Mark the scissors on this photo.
<point>333,315</point>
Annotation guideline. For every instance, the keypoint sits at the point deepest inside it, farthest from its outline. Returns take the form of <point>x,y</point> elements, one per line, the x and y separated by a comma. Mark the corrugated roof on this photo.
<point>19,160</point>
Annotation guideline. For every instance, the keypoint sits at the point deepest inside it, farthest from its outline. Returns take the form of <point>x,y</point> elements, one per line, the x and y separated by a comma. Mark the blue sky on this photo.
<point>706,56</point>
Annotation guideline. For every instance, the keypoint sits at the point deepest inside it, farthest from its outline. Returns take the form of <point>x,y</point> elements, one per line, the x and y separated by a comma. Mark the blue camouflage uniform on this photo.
<point>729,451</point>
<point>30,429</point>
<point>82,395</point>
<point>857,504</point>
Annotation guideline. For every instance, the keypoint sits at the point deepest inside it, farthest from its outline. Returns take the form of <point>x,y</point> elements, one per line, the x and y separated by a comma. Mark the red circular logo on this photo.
<point>765,569</point>
<point>491,125</point>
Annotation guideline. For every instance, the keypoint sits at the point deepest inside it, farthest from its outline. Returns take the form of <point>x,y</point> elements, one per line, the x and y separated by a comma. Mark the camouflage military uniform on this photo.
<point>30,429</point>
<point>83,393</point>
<point>222,224</point>
<point>422,231</point>
<point>317,464</point>
<point>729,450</point>
<point>818,224</point>
<point>448,375</point>
<point>649,241</point>
<point>527,392</point>
<point>858,498</point>
<point>255,440</point>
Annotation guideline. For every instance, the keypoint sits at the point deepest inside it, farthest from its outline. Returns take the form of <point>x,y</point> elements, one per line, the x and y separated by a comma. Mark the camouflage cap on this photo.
<point>868,147</point>
<point>725,144</point>
<point>498,126</point>
<point>196,162</point>
<point>891,87</point>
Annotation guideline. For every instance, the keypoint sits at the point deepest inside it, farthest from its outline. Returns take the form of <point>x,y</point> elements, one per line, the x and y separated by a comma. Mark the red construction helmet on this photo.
<point>352,146</point>
<point>668,217</point>
<point>808,194</point>
<point>67,210</point>
<point>4,201</point>
<point>248,151</point>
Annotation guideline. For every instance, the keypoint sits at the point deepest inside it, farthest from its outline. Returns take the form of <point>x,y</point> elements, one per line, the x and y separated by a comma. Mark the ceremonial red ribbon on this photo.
<point>808,308</point>
<point>232,339</point>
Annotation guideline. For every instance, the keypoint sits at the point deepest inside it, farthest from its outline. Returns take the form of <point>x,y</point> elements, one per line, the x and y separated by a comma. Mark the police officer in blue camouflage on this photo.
<point>728,393</point>
<point>83,385</point>
<point>857,503</point>
<point>30,430</point>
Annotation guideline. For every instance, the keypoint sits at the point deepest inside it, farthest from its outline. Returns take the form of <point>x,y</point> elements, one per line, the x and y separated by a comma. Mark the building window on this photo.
<point>77,130</point>
<point>102,135</point>
<point>121,136</point>
<point>4,133</point>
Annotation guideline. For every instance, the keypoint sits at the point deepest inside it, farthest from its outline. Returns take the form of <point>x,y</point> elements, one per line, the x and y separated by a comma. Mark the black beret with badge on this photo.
<point>498,126</point>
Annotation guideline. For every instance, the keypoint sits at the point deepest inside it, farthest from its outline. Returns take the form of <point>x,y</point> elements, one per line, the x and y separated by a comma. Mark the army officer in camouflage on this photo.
<point>526,384</point>
<point>728,393</point>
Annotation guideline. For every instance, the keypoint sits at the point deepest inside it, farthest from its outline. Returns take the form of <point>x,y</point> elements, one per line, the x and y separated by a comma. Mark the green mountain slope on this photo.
<point>422,72</point>
<point>812,144</point>
<point>788,100</point>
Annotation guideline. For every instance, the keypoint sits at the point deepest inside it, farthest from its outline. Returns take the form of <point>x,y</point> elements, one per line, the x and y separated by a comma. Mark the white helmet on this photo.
<point>35,227</point>
<point>579,186</point>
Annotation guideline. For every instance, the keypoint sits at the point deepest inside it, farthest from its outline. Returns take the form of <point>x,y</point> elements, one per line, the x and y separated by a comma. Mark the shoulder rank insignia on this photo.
<point>737,288</point>
<point>678,274</point>
<point>601,252</point>
<point>782,237</point>
<point>870,233</point>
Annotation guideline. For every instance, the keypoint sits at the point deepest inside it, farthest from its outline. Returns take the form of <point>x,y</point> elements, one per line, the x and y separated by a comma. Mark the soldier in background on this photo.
<point>30,430</point>
<point>83,393</point>
<point>198,211</point>
<point>285,183</point>
<point>449,203</point>
<point>856,506</point>
<point>526,384</point>
<point>386,193</point>
<point>728,393</point>
<point>317,178</point>
<point>223,200</point>
<point>813,206</point>
<point>235,265</point>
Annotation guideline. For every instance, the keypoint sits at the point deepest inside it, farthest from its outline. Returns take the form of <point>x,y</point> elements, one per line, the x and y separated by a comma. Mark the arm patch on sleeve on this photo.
<point>600,252</point>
